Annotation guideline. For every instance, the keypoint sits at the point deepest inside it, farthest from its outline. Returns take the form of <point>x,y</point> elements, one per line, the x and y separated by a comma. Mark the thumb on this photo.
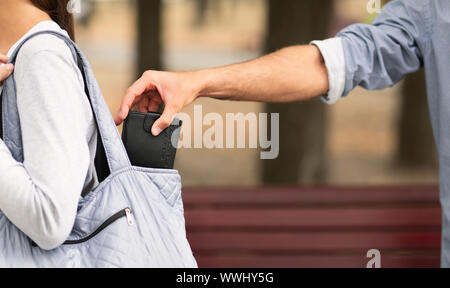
<point>163,122</point>
<point>5,71</point>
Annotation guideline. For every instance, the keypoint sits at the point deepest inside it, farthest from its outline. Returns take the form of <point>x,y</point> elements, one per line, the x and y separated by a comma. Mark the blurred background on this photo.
<point>351,177</point>
<point>368,138</point>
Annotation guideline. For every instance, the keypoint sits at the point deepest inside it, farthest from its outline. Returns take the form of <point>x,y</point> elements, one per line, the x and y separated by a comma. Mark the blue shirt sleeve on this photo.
<point>380,54</point>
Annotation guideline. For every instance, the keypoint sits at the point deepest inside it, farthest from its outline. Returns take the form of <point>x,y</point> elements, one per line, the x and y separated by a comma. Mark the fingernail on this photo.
<point>156,131</point>
<point>9,67</point>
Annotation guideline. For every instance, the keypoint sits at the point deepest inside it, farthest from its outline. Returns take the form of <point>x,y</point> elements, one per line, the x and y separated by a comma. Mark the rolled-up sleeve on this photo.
<point>379,55</point>
<point>333,55</point>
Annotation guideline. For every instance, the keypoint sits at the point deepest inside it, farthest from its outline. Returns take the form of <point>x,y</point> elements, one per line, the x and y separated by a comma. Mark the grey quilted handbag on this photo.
<point>133,218</point>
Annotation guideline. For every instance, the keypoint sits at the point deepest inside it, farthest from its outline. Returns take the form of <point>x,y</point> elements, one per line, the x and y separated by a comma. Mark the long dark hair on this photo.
<point>57,10</point>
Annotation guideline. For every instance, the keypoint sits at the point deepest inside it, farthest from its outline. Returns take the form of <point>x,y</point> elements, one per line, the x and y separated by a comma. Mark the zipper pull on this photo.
<point>129,217</point>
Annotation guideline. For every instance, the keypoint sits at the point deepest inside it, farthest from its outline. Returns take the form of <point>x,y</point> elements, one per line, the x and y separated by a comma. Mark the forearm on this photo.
<point>291,74</point>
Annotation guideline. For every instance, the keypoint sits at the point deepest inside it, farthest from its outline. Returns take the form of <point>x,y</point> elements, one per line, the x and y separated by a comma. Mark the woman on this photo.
<point>40,196</point>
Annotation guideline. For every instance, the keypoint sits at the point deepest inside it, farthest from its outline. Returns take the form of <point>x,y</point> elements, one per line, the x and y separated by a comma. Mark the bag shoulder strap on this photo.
<point>109,144</point>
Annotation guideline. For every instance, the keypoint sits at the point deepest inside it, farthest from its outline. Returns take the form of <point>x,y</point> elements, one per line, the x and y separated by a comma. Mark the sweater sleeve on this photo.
<point>40,196</point>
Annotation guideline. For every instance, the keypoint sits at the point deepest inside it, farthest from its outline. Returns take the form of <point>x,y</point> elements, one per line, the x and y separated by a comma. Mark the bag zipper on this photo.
<point>129,217</point>
<point>122,213</point>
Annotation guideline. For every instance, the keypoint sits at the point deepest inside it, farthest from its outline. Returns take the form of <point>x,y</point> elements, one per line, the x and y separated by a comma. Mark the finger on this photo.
<point>5,71</point>
<point>143,105</point>
<point>164,121</point>
<point>155,101</point>
<point>128,102</point>
<point>153,106</point>
<point>133,96</point>
<point>3,58</point>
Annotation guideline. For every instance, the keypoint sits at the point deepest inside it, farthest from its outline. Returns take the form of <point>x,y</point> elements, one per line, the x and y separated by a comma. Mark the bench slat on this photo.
<point>314,218</point>
<point>312,241</point>
<point>423,196</point>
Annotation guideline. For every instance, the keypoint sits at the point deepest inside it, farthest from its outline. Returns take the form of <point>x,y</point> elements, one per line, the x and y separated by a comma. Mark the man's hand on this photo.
<point>5,69</point>
<point>292,74</point>
<point>155,88</point>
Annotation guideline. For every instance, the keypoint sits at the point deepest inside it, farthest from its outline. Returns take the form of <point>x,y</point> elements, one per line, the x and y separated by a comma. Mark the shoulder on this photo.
<point>413,11</point>
<point>48,81</point>
<point>42,47</point>
<point>45,69</point>
<point>413,16</point>
<point>46,58</point>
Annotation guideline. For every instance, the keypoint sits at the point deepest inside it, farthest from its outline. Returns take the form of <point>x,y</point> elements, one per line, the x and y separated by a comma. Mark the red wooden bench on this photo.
<point>313,227</point>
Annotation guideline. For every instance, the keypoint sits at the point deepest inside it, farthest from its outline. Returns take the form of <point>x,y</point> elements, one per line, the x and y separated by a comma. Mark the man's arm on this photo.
<point>291,74</point>
<point>372,56</point>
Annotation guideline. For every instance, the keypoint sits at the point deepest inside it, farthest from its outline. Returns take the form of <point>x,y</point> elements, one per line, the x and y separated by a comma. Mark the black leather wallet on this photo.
<point>146,150</point>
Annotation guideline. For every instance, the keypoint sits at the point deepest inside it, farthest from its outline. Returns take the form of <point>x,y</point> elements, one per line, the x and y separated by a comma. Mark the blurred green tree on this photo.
<point>303,128</point>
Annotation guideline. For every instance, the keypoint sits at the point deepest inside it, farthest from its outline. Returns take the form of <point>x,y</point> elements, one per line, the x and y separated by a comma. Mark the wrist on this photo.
<point>191,85</point>
<point>210,82</point>
<point>201,85</point>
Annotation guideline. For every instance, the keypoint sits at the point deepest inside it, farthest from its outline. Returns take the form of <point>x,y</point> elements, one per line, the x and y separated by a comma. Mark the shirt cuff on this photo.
<point>333,55</point>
